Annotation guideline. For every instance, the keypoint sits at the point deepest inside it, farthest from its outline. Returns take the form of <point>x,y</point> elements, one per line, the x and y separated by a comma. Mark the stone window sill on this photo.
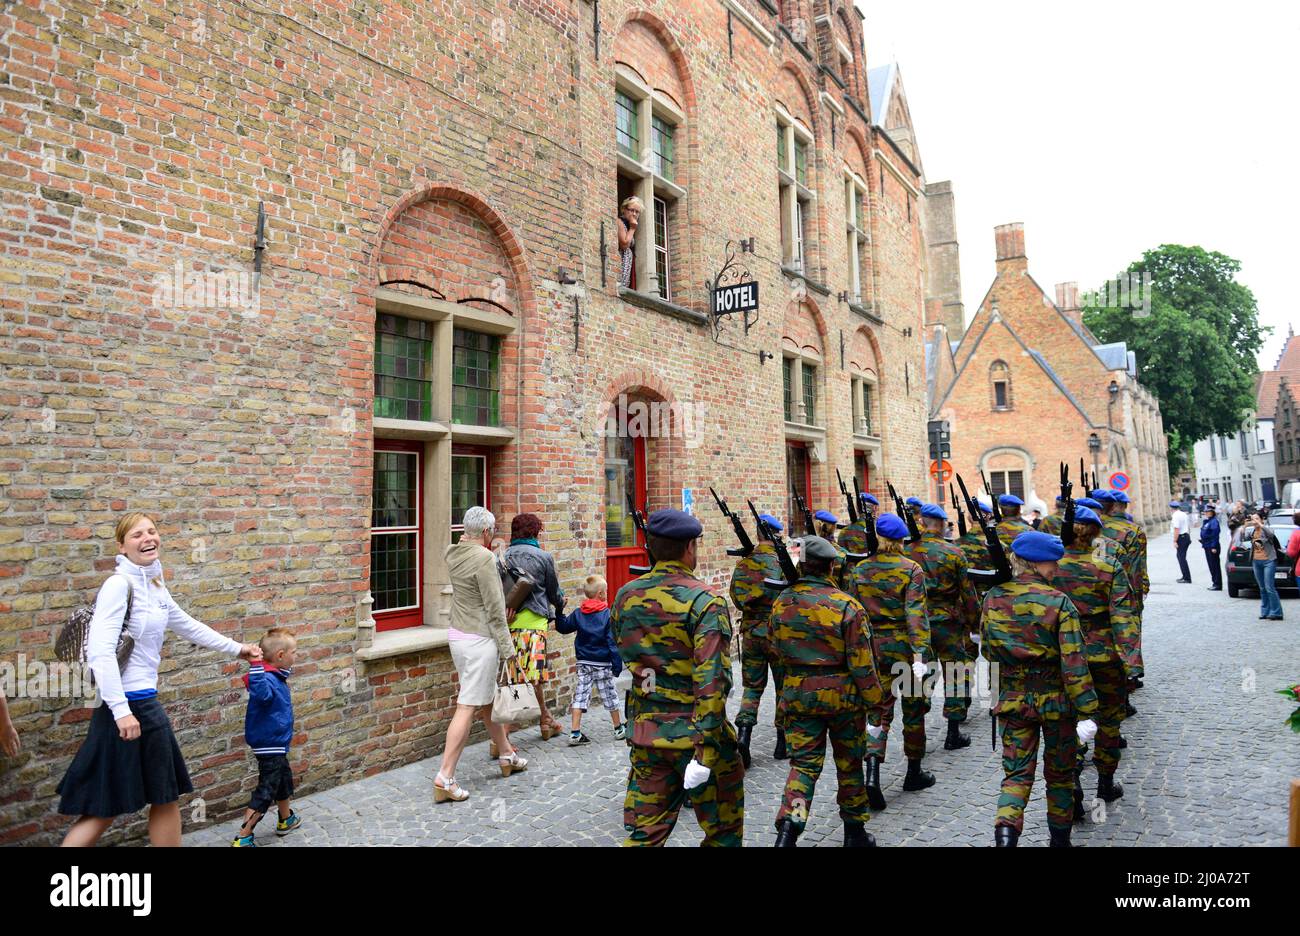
<point>654,303</point>
<point>811,283</point>
<point>402,642</point>
<point>866,312</point>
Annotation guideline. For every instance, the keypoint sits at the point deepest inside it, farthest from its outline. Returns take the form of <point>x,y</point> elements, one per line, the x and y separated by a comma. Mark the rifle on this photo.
<point>801,505</point>
<point>868,514</point>
<point>746,544</point>
<point>782,555</point>
<point>913,532</point>
<point>1001,571</point>
<point>1083,478</point>
<point>853,510</point>
<point>961,515</point>
<point>993,498</point>
<point>1067,520</point>
<point>639,520</point>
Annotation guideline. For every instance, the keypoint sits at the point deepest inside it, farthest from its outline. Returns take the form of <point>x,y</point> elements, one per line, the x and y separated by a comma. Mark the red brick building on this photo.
<point>431,317</point>
<point>1033,387</point>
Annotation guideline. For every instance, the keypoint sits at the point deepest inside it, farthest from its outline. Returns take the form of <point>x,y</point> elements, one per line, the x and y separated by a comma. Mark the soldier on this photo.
<point>1012,524</point>
<point>1052,522</point>
<point>823,640</point>
<point>827,525</point>
<point>1133,545</point>
<point>754,601</point>
<point>674,635</point>
<point>1031,631</point>
<point>854,536</point>
<point>1092,575</point>
<point>891,587</point>
<point>973,545</point>
<point>953,612</point>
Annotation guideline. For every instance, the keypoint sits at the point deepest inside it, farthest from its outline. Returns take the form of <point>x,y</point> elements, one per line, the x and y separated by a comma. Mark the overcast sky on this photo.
<point>1108,128</point>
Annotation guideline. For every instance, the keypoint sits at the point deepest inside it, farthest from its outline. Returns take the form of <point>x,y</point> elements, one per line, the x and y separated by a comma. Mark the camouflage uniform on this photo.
<point>953,612</point>
<point>1052,523</point>
<point>823,639</point>
<point>1093,577</point>
<point>754,601</point>
<point>674,635</point>
<point>853,538</point>
<point>1009,528</point>
<point>891,587</point>
<point>1133,549</point>
<point>1031,631</point>
<point>974,548</point>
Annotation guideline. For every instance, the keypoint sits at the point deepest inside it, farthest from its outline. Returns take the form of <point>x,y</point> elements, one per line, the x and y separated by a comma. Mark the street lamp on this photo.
<point>1094,446</point>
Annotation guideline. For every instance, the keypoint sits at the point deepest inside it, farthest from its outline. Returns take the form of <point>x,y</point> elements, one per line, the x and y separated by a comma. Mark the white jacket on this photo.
<point>153,612</point>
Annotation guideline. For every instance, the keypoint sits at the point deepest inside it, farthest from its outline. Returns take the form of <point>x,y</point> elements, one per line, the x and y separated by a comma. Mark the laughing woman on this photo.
<point>130,757</point>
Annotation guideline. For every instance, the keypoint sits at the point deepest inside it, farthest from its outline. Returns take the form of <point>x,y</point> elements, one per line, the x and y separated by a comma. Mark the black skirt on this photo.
<point>112,777</point>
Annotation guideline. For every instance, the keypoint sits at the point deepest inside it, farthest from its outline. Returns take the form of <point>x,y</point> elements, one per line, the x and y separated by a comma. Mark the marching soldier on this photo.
<point>953,611</point>
<point>827,526</point>
<point>853,538</point>
<point>674,635</point>
<point>1012,524</point>
<point>823,639</point>
<point>891,587</point>
<point>972,544</point>
<point>1092,575</point>
<point>754,600</point>
<point>1052,522</point>
<point>1133,543</point>
<point>1031,631</point>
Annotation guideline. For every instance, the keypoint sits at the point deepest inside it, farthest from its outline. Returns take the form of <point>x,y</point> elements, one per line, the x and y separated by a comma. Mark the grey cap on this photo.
<point>814,547</point>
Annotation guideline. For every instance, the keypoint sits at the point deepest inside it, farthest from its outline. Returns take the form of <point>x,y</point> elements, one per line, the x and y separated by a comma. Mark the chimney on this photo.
<point>1010,239</point>
<point>1067,300</point>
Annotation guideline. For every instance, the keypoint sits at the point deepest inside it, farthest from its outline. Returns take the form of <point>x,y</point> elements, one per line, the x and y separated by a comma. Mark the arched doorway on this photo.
<point>625,484</point>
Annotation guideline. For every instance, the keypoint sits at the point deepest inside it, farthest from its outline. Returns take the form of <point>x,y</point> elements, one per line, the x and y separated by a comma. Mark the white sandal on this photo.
<point>449,789</point>
<point>512,763</point>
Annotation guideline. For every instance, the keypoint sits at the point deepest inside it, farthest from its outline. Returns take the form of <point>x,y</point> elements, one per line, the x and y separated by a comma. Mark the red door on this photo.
<point>864,470</point>
<point>798,480</point>
<point>625,472</point>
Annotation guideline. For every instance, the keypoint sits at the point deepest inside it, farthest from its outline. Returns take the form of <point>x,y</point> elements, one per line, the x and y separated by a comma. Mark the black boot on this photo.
<point>1123,742</point>
<point>856,836</point>
<point>1135,684</point>
<point>1107,789</point>
<point>1060,837</point>
<point>1129,710</point>
<point>742,742</point>
<point>955,738</point>
<point>917,779</point>
<point>1079,812</point>
<point>1004,836</point>
<point>780,753</point>
<point>787,834</point>
<point>875,798</point>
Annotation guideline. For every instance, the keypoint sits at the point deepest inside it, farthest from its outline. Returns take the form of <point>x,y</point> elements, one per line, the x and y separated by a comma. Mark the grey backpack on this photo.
<point>70,647</point>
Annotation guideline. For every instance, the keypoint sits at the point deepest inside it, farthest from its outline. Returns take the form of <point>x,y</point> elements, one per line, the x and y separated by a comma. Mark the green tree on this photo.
<point>1195,347</point>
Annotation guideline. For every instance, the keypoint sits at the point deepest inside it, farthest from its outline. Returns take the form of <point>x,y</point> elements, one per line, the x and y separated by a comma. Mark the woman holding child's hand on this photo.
<point>130,757</point>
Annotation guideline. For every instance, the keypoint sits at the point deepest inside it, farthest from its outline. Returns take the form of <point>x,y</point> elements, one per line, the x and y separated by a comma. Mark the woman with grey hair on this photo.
<point>478,639</point>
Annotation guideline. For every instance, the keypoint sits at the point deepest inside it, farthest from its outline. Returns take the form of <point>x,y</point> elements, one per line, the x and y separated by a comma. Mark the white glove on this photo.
<point>875,731</point>
<point>696,774</point>
<point>919,670</point>
<point>1087,730</point>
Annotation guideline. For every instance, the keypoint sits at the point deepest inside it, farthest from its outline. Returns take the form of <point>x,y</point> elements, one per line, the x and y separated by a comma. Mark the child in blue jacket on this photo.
<point>268,729</point>
<point>598,659</point>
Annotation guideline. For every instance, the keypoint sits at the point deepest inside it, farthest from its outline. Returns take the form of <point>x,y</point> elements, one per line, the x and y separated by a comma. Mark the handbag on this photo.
<point>514,703</point>
<point>71,644</point>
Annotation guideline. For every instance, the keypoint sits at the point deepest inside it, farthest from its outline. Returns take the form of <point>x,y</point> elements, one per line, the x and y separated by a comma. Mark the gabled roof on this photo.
<point>1035,355</point>
<point>1288,364</point>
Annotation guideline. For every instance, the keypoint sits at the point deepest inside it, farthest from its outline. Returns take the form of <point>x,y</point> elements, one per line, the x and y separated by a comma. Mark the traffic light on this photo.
<point>940,440</point>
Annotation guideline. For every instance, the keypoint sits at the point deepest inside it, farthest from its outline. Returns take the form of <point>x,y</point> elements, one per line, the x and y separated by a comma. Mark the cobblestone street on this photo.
<point>1208,761</point>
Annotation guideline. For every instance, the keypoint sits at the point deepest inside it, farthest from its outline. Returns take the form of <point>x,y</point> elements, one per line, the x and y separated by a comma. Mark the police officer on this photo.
<point>823,639</point>
<point>674,635</point>
<point>1092,575</point>
<point>754,600</point>
<point>953,611</point>
<point>1012,524</point>
<point>1031,631</point>
<point>891,587</point>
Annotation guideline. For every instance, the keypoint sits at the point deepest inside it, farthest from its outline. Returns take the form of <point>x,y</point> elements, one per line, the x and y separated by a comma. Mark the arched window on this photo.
<point>1000,386</point>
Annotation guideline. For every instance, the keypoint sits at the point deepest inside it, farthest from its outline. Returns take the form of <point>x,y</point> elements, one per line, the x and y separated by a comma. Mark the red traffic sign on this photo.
<point>941,471</point>
<point>1118,481</point>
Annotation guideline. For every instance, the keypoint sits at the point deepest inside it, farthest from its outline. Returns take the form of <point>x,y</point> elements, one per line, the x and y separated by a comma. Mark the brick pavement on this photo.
<point>1208,762</point>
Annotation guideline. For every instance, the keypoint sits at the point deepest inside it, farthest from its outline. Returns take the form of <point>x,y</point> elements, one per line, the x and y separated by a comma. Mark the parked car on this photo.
<point>1241,572</point>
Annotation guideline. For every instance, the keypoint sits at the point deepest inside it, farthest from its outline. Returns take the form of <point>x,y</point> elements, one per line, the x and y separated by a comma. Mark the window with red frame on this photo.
<point>470,483</point>
<point>397,534</point>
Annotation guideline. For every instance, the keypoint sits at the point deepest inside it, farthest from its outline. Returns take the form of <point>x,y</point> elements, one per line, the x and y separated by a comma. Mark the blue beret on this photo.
<point>825,516</point>
<point>1176,505</point>
<point>933,512</point>
<point>1087,502</point>
<point>673,525</point>
<point>1033,546</point>
<point>1120,496</point>
<point>1060,499</point>
<point>913,502</point>
<point>984,506</point>
<point>891,526</point>
<point>1105,497</point>
<point>1086,515</point>
<point>871,499</point>
<point>772,522</point>
<point>1010,500</point>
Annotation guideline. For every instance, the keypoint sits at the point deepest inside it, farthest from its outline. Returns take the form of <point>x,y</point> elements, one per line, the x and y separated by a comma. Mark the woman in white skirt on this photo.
<point>130,758</point>
<point>478,639</point>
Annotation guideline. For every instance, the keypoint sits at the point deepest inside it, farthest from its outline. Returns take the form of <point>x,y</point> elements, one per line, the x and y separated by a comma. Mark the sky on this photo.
<point>1108,129</point>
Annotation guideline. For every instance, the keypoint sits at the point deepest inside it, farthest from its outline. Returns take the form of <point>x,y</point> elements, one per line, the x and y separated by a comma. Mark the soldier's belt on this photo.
<point>807,670</point>
<point>1046,678</point>
<point>660,707</point>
